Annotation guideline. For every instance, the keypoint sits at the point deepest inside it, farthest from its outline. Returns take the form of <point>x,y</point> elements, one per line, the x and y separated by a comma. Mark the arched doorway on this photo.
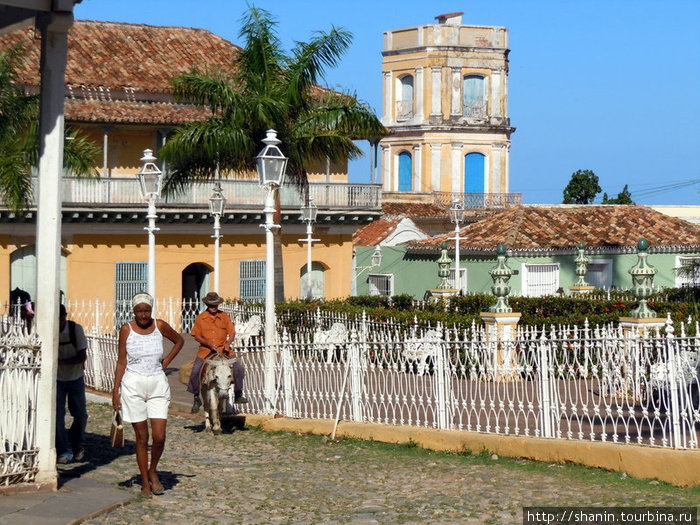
<point>195,285</point>
<point>23,270</point>
<point>317,281</point>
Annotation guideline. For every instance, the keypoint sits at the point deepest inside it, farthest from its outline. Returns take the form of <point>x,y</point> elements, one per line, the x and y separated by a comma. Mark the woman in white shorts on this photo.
<point>141,390</point>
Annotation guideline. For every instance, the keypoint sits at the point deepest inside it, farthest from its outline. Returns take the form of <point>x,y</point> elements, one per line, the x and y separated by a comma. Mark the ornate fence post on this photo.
<point>581,261</point>
<point>544,376</point>
<point>642,321</point>
<point>97,356</point>
<point>501,323</point>
<point>442,383</point>
<point>672,383</point>
<point>287,375</point>
<point>356,376</point>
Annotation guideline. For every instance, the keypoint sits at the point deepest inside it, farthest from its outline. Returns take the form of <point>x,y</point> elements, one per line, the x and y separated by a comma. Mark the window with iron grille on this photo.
<point>381,284</point>
<point>688,272</point>
<point>599,273</point>
<point>130,278</point>
<point>252,280</point>
<point>540,279</point>
<point>462,285</point>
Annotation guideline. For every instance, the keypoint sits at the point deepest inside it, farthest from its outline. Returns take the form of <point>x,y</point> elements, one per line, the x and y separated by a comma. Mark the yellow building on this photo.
<point>446,103</point>
<point>118,92</point>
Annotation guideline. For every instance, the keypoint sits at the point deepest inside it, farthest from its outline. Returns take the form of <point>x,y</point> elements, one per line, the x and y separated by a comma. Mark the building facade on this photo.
<point>118,93</point>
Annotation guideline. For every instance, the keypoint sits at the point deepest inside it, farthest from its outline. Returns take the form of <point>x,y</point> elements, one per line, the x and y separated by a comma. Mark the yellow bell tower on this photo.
<point>445,89</point>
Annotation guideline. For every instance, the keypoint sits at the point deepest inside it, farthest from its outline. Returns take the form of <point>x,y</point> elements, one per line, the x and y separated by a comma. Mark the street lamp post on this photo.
<point>308,215</point>
<point>151,181</point>
<point>457,216</point>
<point>271,164</point>
<point>217,202</point>
<point>375,261</point>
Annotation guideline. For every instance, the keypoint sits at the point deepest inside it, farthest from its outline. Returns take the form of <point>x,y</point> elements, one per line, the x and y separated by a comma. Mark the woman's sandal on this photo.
<point>156,490</point>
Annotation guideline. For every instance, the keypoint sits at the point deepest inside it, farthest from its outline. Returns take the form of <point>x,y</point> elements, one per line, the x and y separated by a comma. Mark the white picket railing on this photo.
<point>588,384</point>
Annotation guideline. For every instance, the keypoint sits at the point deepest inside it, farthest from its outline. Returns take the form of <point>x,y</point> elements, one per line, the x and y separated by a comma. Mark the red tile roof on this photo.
<point>118,72</point>
<point>376,231</point>
<point>535,228</point>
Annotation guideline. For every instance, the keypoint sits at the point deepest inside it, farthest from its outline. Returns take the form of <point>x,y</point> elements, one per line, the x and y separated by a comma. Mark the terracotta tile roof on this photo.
<point>536,228</point>
<point>116,55</point>
<point>420,210</point>
<point>376,231</point>
<point>120,111</point>
<point>118,72</point>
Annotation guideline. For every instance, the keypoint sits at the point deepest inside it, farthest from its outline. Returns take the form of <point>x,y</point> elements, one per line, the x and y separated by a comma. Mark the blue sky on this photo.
<point>606,85</point>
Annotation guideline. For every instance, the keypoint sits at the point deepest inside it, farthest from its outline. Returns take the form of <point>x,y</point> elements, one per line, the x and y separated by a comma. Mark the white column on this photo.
<point>386,168</point>
<point>151,245</point>
<point>54,48</point>
<point>419,95</point>
<point>456,168</point>
<point>494,178</point>
<point>435,161</point>
<point>105,150</point>
<point>436,95</point>
<point>417,171</point>
<point>456,90</point>
<point>496,94</point>
<point>388,97</point>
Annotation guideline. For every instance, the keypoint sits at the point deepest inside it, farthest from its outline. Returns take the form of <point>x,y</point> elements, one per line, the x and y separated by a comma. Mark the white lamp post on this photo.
<point>457,216</point>
<point>151,181</point>
<point>271,167</point>
<point>217,202</point>
<point>375,261</point>
<point>308,215</point>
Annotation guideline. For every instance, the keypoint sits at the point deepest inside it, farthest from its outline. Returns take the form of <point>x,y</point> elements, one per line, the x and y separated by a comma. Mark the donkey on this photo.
<point>217,378</point>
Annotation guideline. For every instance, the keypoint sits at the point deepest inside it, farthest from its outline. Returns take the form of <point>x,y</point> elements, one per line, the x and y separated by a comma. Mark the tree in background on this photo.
<point>582,188</point>
<point>624,197</point>
<point>264,89</point>
<point>19,137</point>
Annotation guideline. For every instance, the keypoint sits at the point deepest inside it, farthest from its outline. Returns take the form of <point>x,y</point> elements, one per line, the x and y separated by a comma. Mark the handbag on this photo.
<point>116,431</point>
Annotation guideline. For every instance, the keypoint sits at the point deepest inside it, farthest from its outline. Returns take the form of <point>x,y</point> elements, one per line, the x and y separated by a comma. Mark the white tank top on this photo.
<point>144,352</point>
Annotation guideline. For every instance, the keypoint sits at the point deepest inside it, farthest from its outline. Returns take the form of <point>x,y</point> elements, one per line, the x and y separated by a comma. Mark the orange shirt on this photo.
<point>216,328</point>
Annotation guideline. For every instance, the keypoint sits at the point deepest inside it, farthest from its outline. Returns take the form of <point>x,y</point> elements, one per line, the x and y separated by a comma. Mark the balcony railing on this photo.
<point>478,200</point>
<point>238,193</point>
<point>404,109</point>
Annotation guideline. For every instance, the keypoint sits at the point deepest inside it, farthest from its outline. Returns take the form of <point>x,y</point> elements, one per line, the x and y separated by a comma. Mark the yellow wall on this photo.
<point>91,262</point>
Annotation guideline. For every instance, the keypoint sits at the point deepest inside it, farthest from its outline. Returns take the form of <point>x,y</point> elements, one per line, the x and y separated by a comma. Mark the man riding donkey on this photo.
<point>214,331</point>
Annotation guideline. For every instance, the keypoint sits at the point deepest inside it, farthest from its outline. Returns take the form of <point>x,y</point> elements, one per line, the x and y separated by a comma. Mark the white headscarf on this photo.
<point>141,298</point>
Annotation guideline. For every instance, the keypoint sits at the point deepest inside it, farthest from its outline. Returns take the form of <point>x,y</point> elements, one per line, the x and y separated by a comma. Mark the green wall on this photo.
<point>414,274</point>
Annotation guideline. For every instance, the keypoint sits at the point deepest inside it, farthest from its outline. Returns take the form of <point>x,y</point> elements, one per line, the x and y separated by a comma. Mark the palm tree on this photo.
<point>268,89</point>
<point>19,144</point>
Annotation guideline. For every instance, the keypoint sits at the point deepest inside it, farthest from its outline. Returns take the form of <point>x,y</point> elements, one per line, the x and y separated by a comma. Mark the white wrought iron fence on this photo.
<point>565,382</point>
<point>20,359</point>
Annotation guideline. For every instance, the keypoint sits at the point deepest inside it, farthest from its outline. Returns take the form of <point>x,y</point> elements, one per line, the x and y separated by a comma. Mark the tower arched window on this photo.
<point>474,96</point>
<point>404,98</point>
<point>474,174</point>
<point>405,171</point>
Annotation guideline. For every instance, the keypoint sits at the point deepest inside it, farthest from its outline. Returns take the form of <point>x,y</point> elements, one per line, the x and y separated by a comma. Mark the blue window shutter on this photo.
<point>474,173</point>
<point>405,172</point>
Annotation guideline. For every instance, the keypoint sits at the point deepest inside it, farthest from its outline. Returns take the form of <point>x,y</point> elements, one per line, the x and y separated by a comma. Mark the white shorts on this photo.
<point>144,397</point>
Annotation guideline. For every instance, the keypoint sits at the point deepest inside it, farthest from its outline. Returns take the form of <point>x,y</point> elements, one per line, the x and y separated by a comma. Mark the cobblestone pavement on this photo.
<point>249,476</point>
